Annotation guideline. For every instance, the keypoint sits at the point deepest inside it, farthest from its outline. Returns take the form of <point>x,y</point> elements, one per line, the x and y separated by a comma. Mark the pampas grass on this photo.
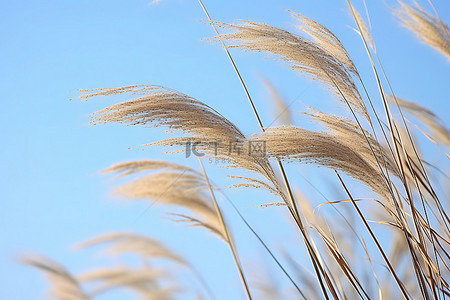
<point>212,133</point>
<point>438,133</point>
<point>143,281</point>
<point>64,286</point>
<point>281,113</point>
<point>349,256</point>
<point>130,242</point>
<point>173,185</point>
<point>322,58</point>
<point>429,29</point>
<point>291,142</point>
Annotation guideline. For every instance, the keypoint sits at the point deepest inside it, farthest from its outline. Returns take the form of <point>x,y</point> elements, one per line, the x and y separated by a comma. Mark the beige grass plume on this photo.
<point>63,285</point>
<point>364,31</point>
<point>158,106</point>
<point>349,133</point>
<point>439,133</point>
<point>129,242</point>
<point>135,166</point>
<point>323,58</point>
<point>281,113</point>
<point>309,214</point>
<point>323,37</point>
<point>213,134</point>
<point>144,281</point>
<point>266,283</point>
<point>172,185</point>
<point>321,148</point>
<point>428,29</point>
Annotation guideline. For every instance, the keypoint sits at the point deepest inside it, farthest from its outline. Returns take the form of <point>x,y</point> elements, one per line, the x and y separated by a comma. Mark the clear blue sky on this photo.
<point>52,195</point>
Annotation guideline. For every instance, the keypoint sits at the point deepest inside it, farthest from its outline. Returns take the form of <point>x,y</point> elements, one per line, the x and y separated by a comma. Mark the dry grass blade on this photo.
<point>63,285</point>
<point>323,58</point>
<point>428,29</point>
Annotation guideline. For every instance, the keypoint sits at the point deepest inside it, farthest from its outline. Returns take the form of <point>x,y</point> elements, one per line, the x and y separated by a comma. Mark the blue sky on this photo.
<point>52,194</point>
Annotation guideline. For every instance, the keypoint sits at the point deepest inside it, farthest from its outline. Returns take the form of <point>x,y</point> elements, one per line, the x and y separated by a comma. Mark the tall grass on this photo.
<point>348,255</point>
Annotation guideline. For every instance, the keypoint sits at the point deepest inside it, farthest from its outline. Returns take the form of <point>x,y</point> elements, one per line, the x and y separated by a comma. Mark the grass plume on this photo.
<point>427,28</point>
